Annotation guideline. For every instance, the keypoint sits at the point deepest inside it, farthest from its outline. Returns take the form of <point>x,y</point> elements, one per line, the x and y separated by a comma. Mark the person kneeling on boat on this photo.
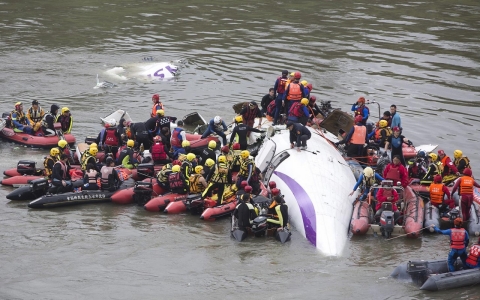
<point>366,180</point>
<point>162,176</point>
<point>299,135</point>
<point>386,194</point>
<point>48,121</point>
<point>459,239</point>
<point>465,189</point>
<point>61,176</point>
<point>19,121</point>
<point>198,184</point>
<point>109,180</point>
<point>50,161</point>
<point>218,126</point>
<point>177,182</point>
<point>245,212</point>
<point>247,167</point>
<point>126,156</point>
<point>355,139</point>
<point>437,193</point>
<point>208,152</point>
<point>473,261</point>
<point>160,152</point>
<point>435,167</point>
<point>90,158</point>
<point>90,178</point>
<point>281,211</point>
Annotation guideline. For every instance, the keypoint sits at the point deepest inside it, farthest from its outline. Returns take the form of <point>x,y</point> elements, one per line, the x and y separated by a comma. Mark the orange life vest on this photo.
<point>155,107</point>
<point>472,258</point>
<point>436,193</point>
<point>458,238</point>
<point>466,185</point>
<point>388,132</point>
<point>294,91</point>
<point>358,136</point>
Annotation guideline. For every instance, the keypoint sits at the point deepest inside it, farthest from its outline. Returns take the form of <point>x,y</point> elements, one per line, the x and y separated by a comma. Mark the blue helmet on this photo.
<point>422,154</point>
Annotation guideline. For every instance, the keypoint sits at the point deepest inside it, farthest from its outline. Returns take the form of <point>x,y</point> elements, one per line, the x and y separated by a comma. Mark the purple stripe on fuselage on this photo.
<point>305,204</point>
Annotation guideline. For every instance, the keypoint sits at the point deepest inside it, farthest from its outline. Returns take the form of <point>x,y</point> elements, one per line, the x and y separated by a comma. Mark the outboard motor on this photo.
<point>454,213</point>
<point>419,271</point>
<point>145,171</point>
<point>194,203</point>
<point>39,186</point>
<point>387,219</point>
<point>26,167</point>
<point>259,226</point>
<point>142,192</point>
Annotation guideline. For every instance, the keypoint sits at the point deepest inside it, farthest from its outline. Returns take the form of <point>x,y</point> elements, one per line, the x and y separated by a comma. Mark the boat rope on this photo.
<point>408,233</point>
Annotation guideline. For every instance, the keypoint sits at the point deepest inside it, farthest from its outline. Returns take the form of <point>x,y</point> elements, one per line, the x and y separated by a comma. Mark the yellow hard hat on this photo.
<point>185,144</point>
<point>212,144</point>
<point>304,82</point>
<point>176,168</point>
<point>198,169</point>
<point>62,143</point>
<point>160,112</point>
<point>368,172</point>
<point>222,159</point>
<point>130,143</point>
<point>245,154</point>
<point>292,74</point>
<point>383,123</point>
<point>239,119</point>
<point>65,109</point>
<point>54,152</point>
<point>433,156</point>
<point>93,151</point>
<point>18,103</point>
<point>304,101</point>
<point>93,145</point>
<point>209,162</point>
<point>190,156</point>
<point>457,153</point>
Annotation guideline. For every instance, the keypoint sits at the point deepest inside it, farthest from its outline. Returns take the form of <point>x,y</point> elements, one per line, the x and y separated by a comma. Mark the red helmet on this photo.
<point>244,183</point>
<point>467,172</point>
<point>272,184</point>
<point>297,75</point>
<point>458,222</point>
<point>313,99</point>
<point>396,128</point>
<point>107,125</point>
<point>248,189</point>
<point>441,152</point>
<point>176,163</point>
<point>236,146</point>
<point>361,100</point>
<point>156,98</point>
<point>275,192</point>
<point>225,149</point>
<point>310,87</point>
<point>358,119</point>
<point>437,178</point>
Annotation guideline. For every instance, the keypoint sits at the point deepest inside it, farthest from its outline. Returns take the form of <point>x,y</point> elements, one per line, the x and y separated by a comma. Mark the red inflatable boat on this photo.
<point>33,140</point>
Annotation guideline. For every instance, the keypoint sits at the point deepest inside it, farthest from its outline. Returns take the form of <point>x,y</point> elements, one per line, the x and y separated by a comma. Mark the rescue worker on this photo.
<point>270,187</point>
<point>198,184</point>
<point>207,167</point>
<point>266,101</point>
<point>306,90</point>
<point>122,130</point>
<point>437,194</point>
<point>396,172</point>
<point>48,121</point>
<point>162,122</point>
<point>449,167</point>
<point>218,179</point>
<point>386,194</point>
<point>208,152</point>
<point>459,239</point>
<point>162,176</point>
<point>141,135</point>
<point>86,152</point>
<point>50,161</point>
<point>366,180</point>
<point>299,135</point>
<point>473,261</point>
<point>157,105</point>
<point>465,190</point>
<point>90,158</point>
<point>434,168</point>
<point>417,167</point>
<point>313,108</point>
<point>460,161</point>
<point>396,122</point>
<point>159,152</point>
<point>126,158</point>
<point>61,176</point>
<point>90,178</point>
<point>356,138</point>
<point>35,116</point>
<point>273,204</point>
<point>395,141</point>
<point>112,140</point>
<point>65,149</point>
<point>360,109</point>
<point>20,123</point>
<point>235,164</point>
<point>187,165</point>
<point>382,133</point>
<point>281,212</point>
<point>245,212</point>
<point>178,136</point>
<point>293,92</point>
<point>279,91</point>
<point>101,135</point>
<point>247,168</point>
<point>109,179</point>
<point>249,113</point>
<point>218,126</point>
<point>241,130</point>
<point>182,150</point>
<point>242,191</point>
<point>298,112</point>
<point>387,117</point>
<point>177,182</point>
<point>66,120</point>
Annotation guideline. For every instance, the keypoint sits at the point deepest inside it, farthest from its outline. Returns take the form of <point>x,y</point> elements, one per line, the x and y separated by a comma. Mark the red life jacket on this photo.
<point>111,138</point>
<point>271,108</point>
<point>393,174</point>
<point>296,110</point>
<point>175,181</point>
<point>472,258</point>
<point>294,91</point>
<point>282,82</point>
<point>359,111</point>
<point>64,168</point>
<point>457,239</point>
<point>158,151</point>
<point>176,140</point>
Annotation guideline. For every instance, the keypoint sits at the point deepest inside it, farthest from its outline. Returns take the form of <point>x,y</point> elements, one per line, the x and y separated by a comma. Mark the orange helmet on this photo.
<point>361,100</point>
<point>458,222</point>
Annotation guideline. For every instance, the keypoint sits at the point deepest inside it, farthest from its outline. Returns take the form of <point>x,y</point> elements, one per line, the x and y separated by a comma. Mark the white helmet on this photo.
<point>368,172</point>
<point>217,120</point>
<point>112,122</point>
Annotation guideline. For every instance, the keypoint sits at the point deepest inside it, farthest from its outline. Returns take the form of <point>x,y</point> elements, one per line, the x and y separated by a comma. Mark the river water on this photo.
<point>422,56</point>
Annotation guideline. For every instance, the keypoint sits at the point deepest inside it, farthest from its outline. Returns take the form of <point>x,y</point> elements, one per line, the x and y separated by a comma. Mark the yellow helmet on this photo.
<point>245,154</point>
<point>160,112</point>
<point>292,74</point>
<point>65,109</point>
<point>62,143</point>
<point>304,101</point>
<point>18,103</point>
<point>190,156</point>
<point>198,169</point>
<point>209,162</point>
<point>130,143</point>
<point>222,159</point>
<point>93,145</point>
<point>383,123</point>
<point>212,144</point>
<point>185,144</point>
<point>304,82</point>
<point>54,152</point>
<point>93,151</point>
<point>433,156</point>
<point>239,119</point>
<point>368,172</point>
<point>176,168</point>
<point>457,153</point>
